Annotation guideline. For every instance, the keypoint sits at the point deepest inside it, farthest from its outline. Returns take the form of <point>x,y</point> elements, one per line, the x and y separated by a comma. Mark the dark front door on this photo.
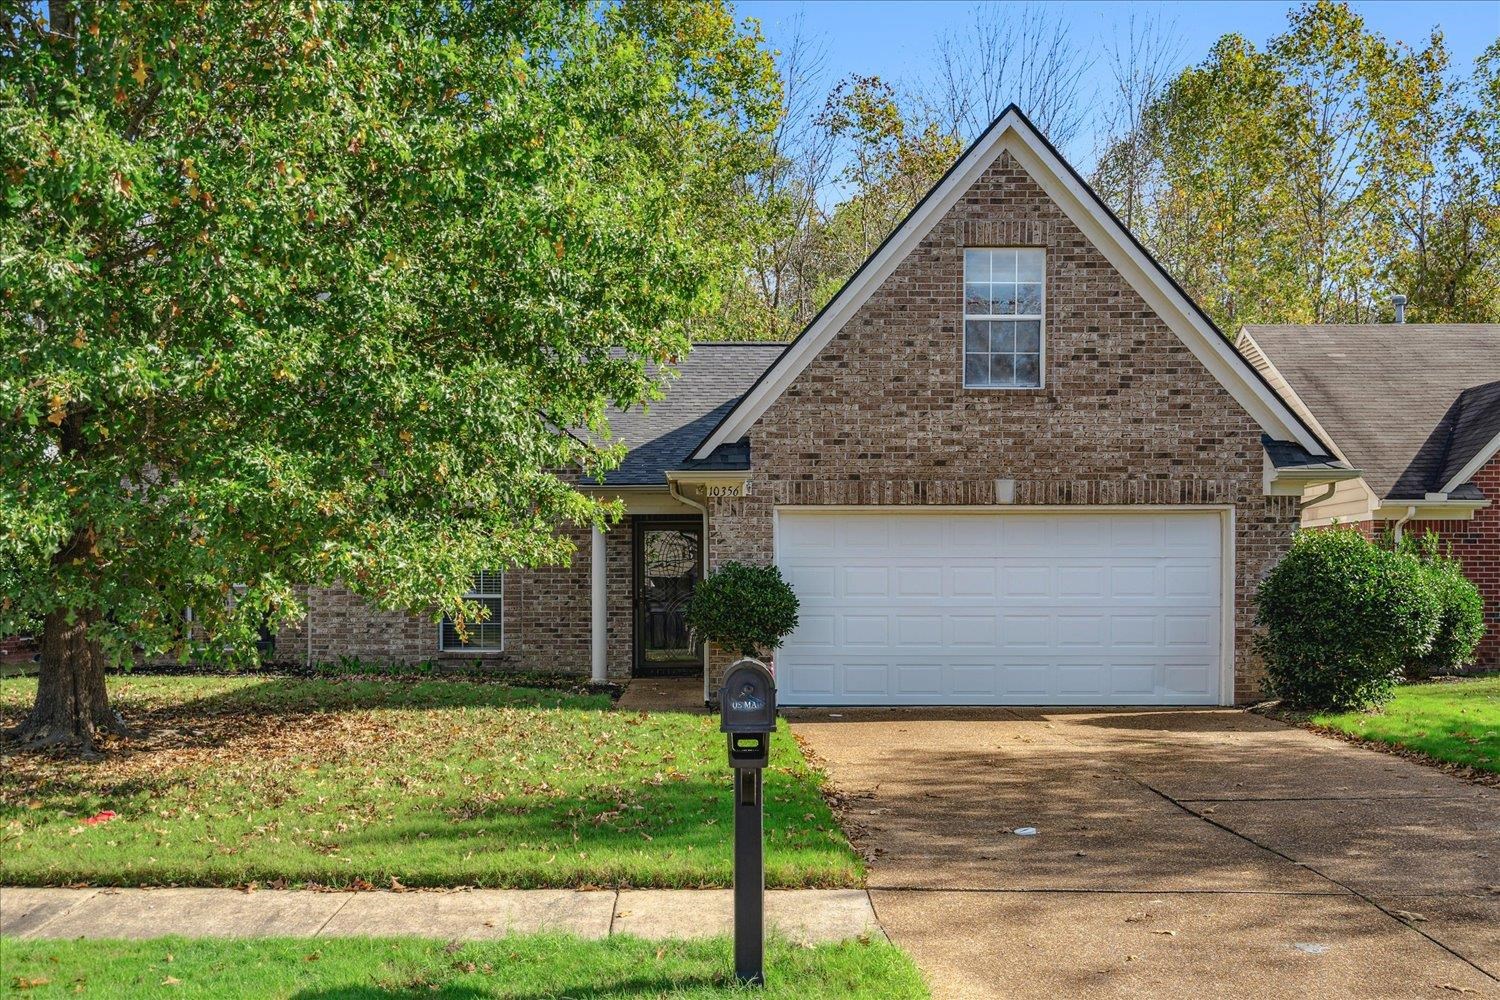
<point>668,564</point>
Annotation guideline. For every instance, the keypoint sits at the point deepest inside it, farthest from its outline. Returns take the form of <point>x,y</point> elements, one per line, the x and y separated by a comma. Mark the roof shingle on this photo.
<point>1409,404</point>
<point>662,435</point>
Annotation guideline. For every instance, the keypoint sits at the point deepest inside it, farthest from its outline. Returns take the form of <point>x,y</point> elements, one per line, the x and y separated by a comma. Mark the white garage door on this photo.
<point>1016,608</point>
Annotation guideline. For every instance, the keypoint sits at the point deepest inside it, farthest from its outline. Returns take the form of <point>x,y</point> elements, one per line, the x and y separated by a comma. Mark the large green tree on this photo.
<point>297,293</point>
<point>1310,180</point>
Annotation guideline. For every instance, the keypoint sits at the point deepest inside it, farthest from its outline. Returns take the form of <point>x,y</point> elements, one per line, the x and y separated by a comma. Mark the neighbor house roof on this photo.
<point>662,435</point>
<point>1412,405</point>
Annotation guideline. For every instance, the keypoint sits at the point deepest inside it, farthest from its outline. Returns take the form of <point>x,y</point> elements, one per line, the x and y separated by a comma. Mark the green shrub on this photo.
<point>1461,609</point>
<point>750,609</point>
<point>1340,617</point>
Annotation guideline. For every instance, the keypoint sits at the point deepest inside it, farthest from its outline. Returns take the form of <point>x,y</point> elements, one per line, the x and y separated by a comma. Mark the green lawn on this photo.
<point>1456,721</point>
<point>286,781</point>
<point>516,967</point>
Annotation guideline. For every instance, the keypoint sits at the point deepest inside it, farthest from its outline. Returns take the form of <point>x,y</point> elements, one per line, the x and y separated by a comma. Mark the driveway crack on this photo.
<point>1308,867</point>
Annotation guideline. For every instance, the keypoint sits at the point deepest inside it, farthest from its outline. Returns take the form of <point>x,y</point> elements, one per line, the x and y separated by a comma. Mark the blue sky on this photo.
<point>895,40</point>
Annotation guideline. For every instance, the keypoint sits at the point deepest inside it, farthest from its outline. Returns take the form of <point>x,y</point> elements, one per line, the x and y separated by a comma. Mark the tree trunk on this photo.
<point>71,705</point>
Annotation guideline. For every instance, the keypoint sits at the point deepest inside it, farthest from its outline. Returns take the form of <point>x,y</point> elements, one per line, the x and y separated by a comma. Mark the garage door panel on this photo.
<point>867,630</point>
<point>973,581</point>
<point>1133,631</point>
<point>1026,581</point>
<point>867,679</point>
<point>812,581</point>
<point>866,581</point>
<point>972,630</point>
<point>1004,608</point>
<point>919,581</point>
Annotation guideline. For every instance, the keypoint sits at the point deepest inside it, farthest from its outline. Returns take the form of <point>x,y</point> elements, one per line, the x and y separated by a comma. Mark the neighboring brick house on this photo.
<point>1416,409</point>
<point>1011,462</point>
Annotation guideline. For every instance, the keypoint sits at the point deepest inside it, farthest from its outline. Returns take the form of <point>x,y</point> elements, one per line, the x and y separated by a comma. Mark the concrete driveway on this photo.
<point>1177,852</point>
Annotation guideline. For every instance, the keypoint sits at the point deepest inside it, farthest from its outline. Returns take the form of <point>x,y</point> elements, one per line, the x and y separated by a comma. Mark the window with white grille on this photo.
<point>1003,345</point>
<point>489,635</point>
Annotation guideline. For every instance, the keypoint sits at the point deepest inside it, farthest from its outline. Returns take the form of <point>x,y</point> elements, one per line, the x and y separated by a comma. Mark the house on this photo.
<point>1011,462</point>
<point>1416,408</point>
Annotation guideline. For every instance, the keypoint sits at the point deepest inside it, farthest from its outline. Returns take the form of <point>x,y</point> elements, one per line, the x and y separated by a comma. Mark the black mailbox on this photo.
<point>747,707</point>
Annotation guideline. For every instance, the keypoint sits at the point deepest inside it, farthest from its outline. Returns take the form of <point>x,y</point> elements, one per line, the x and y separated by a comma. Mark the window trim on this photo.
<point>1040,317</point>
<point>443,646</point>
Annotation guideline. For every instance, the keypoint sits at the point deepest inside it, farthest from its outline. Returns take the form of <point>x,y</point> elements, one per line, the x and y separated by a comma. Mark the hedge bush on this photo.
<point>1340,617</point>
<point>1461,609</point>
<point>746,608</point>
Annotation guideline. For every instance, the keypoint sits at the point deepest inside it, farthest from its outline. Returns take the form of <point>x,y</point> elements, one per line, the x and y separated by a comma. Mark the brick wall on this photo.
<point>548,620</point>
<point>1128,415</point>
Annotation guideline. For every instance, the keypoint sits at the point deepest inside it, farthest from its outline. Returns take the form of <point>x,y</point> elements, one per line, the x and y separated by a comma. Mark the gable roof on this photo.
<point>1013,132</point>
<point>662,435</point>
<point>1413,406</point>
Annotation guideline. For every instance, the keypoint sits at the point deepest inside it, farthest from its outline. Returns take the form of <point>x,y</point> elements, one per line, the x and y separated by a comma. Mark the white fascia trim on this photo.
<point>706,475</point>
<point>1012,134</point>
<point>1476,463</point>
<point>1447,510</point>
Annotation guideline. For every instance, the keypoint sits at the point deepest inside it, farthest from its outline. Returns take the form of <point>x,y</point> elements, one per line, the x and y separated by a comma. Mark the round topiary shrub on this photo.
<point>1460,610</point>
<point>1339,617</point>
<point>747,609</point>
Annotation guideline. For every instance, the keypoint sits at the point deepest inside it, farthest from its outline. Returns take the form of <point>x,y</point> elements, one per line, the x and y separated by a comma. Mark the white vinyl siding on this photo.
<point>1004,342</point>
<point>488,636</point>
<point>1015,608</point>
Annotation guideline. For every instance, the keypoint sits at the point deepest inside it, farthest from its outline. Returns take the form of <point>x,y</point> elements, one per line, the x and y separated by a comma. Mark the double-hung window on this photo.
<point>488,636</point>
<point>1003,346</point>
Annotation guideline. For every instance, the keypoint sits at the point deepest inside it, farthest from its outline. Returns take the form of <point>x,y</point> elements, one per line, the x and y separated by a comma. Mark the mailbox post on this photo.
<point>747,706</point>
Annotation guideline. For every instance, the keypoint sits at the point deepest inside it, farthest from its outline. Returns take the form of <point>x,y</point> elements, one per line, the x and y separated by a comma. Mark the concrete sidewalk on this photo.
<point>804,915</point>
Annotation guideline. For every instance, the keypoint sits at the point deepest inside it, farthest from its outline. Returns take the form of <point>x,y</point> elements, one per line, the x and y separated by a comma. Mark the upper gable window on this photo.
<point>1003,318</point>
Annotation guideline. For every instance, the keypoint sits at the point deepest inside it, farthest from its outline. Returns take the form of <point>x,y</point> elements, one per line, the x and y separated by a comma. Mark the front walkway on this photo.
<point>663,694</point>
<point>804,915</point>
<point>1174,853</point>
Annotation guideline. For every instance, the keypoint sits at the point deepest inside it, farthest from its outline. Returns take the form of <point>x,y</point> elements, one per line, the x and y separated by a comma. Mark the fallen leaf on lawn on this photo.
<point>171,981</point>
<point>23,983</point>
<point>311,958</point>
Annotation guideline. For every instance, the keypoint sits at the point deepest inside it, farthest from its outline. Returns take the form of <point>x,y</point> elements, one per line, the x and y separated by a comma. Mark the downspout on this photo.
<point>672,489</point>
<point>1306,504</point>
<point>1411,512</point>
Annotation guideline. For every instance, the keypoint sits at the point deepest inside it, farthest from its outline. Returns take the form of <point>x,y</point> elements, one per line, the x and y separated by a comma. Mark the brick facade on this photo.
<point>1127,416</point>
<point>547,620</point>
